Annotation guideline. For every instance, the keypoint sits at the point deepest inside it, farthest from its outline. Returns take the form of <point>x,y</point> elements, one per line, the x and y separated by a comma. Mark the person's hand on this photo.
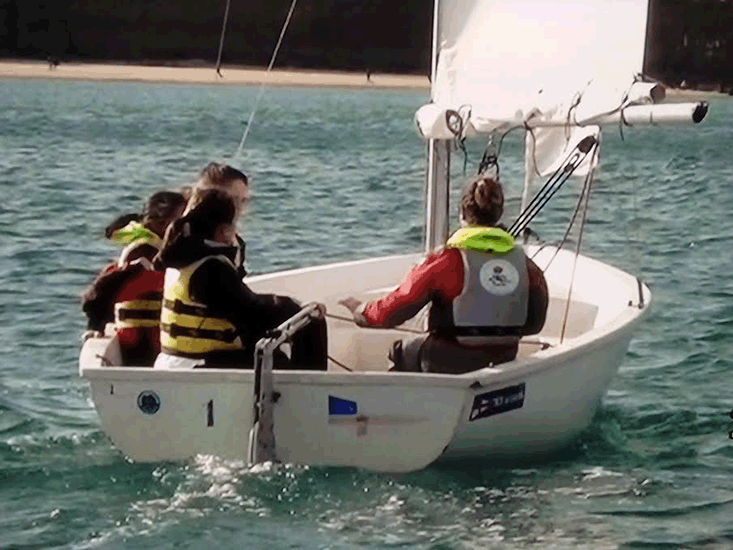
<point>321,308</point>
<point>350,303</point>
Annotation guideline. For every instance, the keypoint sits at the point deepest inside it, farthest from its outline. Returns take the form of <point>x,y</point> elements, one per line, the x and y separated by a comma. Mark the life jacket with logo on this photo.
<point>188,328</point>
<point>494,300</point>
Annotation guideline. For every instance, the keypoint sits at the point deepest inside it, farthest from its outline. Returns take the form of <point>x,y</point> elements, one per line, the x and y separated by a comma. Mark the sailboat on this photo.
<point>557,71</point>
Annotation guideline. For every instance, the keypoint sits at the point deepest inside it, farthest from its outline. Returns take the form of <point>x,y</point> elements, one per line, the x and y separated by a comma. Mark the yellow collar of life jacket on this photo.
<point>482,239</point>
<point>135,232</point>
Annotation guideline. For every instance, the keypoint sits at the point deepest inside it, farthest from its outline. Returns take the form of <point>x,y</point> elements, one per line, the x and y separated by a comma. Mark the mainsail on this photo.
<point>553,66</point>
<point>506,58</point>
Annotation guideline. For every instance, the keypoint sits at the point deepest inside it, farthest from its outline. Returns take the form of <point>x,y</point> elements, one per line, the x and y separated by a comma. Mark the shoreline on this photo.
<point>248,76</point>
<point>207,75</point>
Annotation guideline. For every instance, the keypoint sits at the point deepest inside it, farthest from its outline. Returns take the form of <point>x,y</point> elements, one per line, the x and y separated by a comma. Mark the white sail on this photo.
<point>506,60</point>
<point>560,68</point>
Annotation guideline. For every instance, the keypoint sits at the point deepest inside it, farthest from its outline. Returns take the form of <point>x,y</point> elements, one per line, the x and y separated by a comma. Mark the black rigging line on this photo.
<point>553,184</point>
<point>582,205</point>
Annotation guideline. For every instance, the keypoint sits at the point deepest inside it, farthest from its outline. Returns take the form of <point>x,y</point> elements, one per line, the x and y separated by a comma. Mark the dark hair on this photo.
<point>158,209</point>
<point>214,209</point>
<point>162,205</point>
<point>482,202</point>
<point>119,223</point>
<point>216,174</point>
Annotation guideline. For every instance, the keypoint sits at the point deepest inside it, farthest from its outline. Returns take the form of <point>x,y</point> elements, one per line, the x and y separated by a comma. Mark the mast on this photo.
<point>438,165</point>
<point>530,169</point>
<point>650,39</point>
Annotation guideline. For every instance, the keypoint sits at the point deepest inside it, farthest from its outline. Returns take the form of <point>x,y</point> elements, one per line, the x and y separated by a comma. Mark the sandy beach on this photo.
<point>246,76</point>
<point>207,75</point>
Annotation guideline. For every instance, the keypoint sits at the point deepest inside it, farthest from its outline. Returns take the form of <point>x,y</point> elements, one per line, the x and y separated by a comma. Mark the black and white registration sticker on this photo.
<point>497,401</point>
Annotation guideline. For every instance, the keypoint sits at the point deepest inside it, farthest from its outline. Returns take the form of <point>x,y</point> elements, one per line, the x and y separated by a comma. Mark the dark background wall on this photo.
<point>689,40</point>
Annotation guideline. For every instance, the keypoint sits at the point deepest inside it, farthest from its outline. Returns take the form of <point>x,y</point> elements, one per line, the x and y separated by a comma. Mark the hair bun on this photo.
<point>483,201</point>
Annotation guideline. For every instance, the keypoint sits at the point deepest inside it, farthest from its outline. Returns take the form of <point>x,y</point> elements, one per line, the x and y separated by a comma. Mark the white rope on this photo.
<point>262,86</point>
<point>221,38</point>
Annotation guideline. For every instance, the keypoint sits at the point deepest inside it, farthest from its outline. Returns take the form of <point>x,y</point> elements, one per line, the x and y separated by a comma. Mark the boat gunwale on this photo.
<point>541,361</point>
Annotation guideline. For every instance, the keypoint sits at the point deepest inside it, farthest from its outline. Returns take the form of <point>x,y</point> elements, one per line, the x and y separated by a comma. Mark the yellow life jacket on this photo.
<point>142,311</point>
<point>187,328</point>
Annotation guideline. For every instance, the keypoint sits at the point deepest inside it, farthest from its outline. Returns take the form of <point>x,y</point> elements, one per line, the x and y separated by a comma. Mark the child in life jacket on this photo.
<point>128,292</point>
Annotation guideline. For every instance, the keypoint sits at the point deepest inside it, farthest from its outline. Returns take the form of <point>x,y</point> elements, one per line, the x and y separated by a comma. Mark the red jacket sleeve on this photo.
<point>440,274</point>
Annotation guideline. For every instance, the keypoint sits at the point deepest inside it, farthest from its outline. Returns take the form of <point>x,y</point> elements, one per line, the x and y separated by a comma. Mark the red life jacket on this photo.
<point>137,315</point>
<point>131,295</point>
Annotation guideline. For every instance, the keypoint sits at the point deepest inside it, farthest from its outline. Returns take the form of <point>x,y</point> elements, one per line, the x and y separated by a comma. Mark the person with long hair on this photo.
<point>484,294</point>
<point>210,317</point>
<point>128,291</point>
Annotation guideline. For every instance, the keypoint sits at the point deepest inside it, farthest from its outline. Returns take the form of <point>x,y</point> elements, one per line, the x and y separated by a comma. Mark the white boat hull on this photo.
<point>372,418</point>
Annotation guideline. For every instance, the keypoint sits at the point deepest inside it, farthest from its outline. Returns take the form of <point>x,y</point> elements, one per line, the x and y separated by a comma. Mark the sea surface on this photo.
<point>338,174</point>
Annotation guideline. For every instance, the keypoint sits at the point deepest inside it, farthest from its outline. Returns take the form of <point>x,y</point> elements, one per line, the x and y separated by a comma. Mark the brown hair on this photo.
<point>482,202</point>
<point>215,176</point>
<point>183,240</point>
<point>157,212</point>
<point>161,206</point>
<point>215,208</point>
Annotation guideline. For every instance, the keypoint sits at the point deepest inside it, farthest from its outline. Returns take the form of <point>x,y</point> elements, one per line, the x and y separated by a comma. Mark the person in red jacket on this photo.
<point>128,292</point>
<point>484,294</point>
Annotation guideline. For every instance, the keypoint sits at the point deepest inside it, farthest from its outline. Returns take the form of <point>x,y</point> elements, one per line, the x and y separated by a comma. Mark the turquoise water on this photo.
<point>337,174</point>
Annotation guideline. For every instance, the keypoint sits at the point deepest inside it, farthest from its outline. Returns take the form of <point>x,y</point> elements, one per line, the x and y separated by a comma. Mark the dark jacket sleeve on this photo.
<point>538,299</point>
<point>241,257</point>
<point>98,301</point>
<point>219,286</point>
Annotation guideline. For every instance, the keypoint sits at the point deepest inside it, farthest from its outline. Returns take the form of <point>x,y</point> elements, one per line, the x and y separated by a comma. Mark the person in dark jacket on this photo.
<point>128,292</point>
<point>484,294</point>
<point>234,183</point>
<point>210,317</point>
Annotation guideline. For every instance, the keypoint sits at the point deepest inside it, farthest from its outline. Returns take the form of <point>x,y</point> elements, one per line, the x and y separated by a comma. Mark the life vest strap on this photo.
<point>142,314</point>
<point>450,332</point>
<point>179,353</point>
<point>177,331</point>
<point>176,306</point>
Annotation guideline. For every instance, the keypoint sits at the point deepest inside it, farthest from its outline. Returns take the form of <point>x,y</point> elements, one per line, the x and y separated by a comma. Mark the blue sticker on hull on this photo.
<point>498,401</point>
<point>336,405</point>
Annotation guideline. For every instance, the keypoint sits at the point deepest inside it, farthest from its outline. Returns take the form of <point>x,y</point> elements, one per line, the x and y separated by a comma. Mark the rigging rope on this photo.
<point>398,329</point>
<point>490,158</point>
<point>578,207</point>
<point>553,184</point>
<point>221,38</point>
<point>340,364</point>
<point>263,84</point>
<point>351,320</point>
<point>584,198</point>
